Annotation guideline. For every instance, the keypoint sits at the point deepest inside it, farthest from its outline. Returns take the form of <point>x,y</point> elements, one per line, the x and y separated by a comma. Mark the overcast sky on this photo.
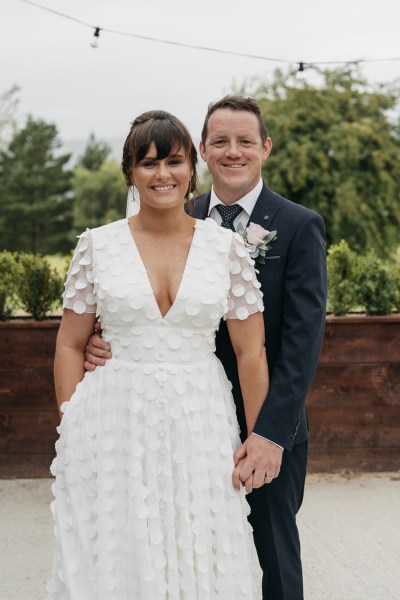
<point>101,90</point>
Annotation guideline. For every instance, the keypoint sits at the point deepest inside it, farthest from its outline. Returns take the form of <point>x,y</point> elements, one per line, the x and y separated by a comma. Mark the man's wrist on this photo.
<point>264,438</point>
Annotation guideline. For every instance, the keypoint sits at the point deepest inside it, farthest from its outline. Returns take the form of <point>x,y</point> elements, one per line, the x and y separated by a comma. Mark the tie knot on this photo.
<point>228,214</point>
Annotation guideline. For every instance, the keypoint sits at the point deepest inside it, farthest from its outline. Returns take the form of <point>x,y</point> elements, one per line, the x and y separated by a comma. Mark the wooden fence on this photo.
<point>353,405</point>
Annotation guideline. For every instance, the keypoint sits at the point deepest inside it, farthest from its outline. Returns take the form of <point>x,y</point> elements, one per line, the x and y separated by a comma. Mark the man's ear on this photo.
<point>267,147</point>
<point>202,151</point>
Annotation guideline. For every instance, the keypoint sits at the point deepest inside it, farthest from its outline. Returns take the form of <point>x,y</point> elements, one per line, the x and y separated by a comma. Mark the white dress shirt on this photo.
<point>248,203</point>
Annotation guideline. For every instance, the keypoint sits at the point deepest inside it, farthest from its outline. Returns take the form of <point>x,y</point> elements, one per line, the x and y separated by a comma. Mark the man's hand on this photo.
<point>97,351</point>
<point>258,459</point>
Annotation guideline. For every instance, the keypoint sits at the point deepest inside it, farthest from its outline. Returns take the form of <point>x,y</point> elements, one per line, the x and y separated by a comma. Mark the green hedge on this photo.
<point>356,283</point>
<point>27,281</point>
<point>363,283</point>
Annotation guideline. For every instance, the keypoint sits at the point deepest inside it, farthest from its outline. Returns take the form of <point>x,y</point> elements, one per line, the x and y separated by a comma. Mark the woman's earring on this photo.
<point>189,191</point>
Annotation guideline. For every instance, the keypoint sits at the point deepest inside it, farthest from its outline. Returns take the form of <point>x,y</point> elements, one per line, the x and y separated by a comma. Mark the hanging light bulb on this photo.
<point>300,75</point>
<point>95,40</point>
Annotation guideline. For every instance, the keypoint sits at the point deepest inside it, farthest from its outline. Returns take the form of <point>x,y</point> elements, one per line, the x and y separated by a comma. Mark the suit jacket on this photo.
<point>294,283</point>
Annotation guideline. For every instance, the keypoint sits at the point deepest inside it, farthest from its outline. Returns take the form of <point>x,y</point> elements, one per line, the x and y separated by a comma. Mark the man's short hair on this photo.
<point>236,103</point>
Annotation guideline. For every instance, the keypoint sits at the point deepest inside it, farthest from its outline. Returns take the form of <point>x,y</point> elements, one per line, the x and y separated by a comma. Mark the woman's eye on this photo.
<point>148,163</point>
<point>175,161</point>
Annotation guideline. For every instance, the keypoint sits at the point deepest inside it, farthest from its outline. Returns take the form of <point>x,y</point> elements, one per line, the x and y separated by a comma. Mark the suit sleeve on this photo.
<point>304,306</point>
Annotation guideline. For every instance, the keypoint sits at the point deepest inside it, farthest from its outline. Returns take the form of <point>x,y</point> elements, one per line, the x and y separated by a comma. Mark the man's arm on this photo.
<point>304,306</point>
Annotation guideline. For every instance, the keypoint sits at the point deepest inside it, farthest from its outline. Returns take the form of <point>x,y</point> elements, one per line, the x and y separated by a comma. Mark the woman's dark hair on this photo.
<point>168,134</point>
<point>236,103</point>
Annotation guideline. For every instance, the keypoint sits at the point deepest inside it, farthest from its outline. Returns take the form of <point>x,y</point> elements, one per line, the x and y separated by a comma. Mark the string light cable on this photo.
<point>302,65</point>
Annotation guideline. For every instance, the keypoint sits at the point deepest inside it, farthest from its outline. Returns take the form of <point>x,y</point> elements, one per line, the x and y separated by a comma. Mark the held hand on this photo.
<point>97,351</point>
<point>236,482</point>
<point>260,458</point>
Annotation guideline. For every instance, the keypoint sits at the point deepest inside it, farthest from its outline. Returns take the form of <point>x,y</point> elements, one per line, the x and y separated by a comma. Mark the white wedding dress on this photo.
<point>144,505</point>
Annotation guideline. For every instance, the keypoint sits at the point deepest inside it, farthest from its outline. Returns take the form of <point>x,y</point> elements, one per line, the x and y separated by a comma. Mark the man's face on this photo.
<point>234,152</point>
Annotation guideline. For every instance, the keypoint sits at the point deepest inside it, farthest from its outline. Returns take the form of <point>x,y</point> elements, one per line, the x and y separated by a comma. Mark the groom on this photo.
<point>235,144</point>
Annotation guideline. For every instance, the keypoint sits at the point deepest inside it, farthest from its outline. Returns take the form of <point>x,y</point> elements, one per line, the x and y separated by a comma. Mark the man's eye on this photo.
<point>219,142</point>
<point>246,142</point>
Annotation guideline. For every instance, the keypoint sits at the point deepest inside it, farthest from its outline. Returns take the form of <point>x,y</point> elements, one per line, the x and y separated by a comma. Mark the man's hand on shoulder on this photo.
<point>97,351</point>
<point>259,459</point>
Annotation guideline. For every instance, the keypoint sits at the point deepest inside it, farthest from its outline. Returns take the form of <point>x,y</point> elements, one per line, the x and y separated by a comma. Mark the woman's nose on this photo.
<point>162,171</point>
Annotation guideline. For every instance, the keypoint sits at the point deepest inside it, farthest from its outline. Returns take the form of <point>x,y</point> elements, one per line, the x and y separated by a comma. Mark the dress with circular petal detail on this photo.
<point>144,506</point>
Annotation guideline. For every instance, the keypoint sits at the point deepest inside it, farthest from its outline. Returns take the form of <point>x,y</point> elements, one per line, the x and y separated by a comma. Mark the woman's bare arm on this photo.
<point>247,338</point>
<point>70,352</point>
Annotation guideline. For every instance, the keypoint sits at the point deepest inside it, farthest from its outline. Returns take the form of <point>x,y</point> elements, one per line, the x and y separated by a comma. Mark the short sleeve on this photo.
<point>78,294</point>
<point>245,296</point>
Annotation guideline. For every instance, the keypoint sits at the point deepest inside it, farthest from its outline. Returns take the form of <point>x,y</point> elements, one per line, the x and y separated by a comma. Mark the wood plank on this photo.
<point>336,460</point>
<point>346,435</point>
<point>25,466</point>
<point>25,347</point>
<point>352,342</point>
<point>360,417</point>
<point>377,384</point>
<point>27,389</point>
<point>23,433</point>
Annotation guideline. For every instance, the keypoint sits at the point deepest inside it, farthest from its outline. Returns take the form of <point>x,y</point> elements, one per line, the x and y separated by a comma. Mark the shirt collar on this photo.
<point>247,202</point>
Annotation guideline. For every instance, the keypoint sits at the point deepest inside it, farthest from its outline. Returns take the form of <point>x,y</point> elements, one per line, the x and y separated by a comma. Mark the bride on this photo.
<point>144,503</point>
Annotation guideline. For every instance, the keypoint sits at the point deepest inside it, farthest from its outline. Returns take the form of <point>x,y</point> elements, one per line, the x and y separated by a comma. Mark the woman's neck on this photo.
<point>162,222</point>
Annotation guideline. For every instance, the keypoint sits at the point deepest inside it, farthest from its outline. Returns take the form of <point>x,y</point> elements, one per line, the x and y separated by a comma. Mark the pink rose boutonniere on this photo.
<point>257,240</point>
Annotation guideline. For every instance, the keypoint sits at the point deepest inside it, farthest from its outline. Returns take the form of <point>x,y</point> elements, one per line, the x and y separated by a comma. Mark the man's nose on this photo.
<point>233,149</point>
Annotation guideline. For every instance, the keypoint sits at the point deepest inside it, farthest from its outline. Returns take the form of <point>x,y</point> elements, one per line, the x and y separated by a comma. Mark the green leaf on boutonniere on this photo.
<point>260,260</point>
<point>241,230</point>
<point>262,252</point>
<point>270,237</point>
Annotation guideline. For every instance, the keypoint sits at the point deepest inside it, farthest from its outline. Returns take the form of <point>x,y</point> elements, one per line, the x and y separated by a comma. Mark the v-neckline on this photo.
<point>161,316</point>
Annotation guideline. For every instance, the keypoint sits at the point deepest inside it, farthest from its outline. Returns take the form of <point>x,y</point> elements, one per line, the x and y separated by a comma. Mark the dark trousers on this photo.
<point>276,537</point>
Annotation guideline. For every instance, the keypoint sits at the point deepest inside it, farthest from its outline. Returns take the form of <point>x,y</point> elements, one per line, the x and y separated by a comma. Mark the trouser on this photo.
<point>276,537</point>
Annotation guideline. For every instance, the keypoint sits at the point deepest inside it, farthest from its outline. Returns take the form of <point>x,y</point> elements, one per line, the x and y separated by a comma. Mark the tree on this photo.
<point>336,150</point>
<point>99,196</point>
<point>94,155</point>
<point>35,198</point>
<point>8,110</point>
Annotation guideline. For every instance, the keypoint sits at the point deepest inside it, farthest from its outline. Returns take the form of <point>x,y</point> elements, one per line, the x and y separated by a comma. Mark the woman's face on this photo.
<point>162,184</point>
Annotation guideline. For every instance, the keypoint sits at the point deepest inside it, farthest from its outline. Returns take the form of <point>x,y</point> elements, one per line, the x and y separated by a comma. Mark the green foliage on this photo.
<point>40,286</point>
<point>366,282</point>
<point>342,270</point>
<point>205,182</point>
<point>9,101</point>
<point>94,155</point>
<point>9,275</point>
<point>100,196</point>
<point>376,285</point>
<point>35,199</point>
<point>336,150</point>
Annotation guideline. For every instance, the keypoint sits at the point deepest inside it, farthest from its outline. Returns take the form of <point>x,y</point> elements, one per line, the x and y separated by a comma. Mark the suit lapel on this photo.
<point>265,209</point>
<point>200,206</point>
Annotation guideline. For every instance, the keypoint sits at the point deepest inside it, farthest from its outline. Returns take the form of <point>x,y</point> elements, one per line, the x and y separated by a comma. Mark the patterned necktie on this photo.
<point>228,214</point>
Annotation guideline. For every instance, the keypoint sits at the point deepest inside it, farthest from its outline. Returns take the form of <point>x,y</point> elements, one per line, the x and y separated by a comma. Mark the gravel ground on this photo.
<point>349,524</point>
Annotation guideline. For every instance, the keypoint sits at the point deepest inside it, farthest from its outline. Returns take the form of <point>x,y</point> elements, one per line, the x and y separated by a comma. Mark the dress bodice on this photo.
<point>107,276</point>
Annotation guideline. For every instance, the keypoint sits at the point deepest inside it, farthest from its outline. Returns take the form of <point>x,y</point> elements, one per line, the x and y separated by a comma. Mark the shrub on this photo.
<point>342,272</point>
<point>40,286</point>
<point>376,285</point>
<point>9,270</point>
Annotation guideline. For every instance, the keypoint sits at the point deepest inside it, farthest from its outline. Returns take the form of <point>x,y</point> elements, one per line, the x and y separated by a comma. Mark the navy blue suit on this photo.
<point>293,282</point>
